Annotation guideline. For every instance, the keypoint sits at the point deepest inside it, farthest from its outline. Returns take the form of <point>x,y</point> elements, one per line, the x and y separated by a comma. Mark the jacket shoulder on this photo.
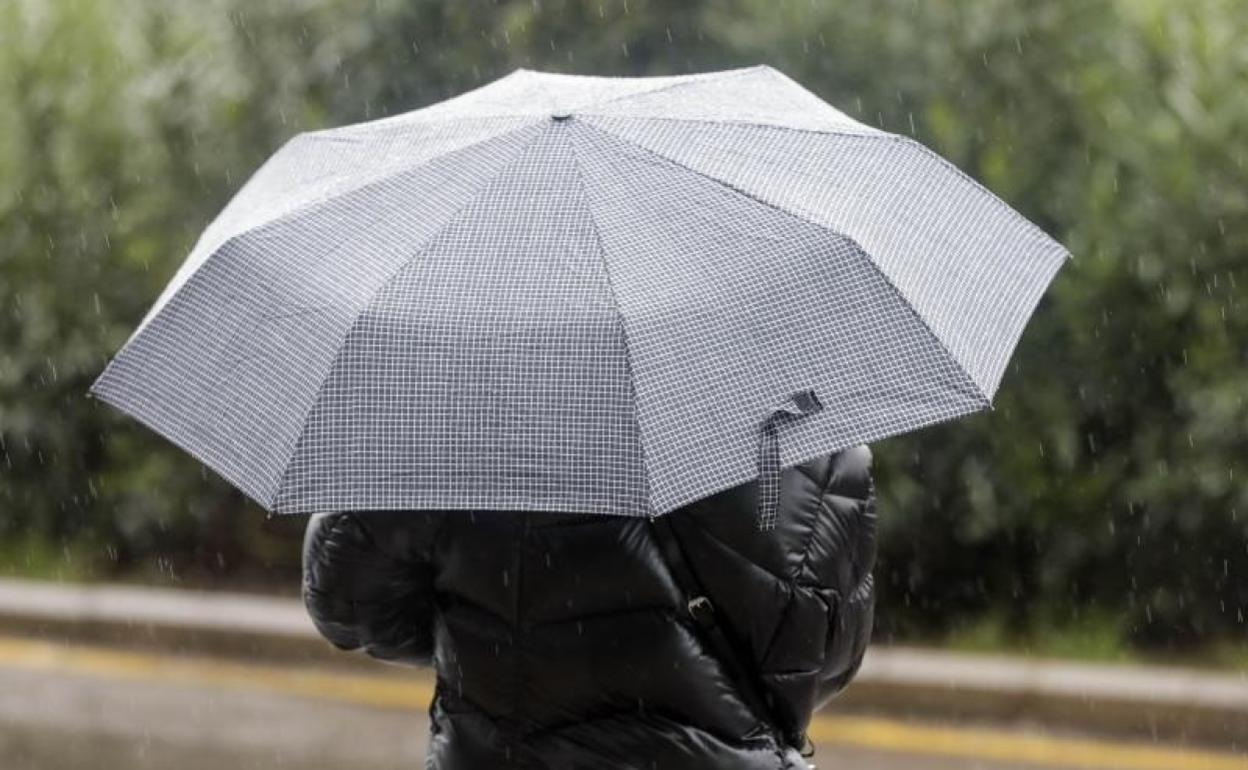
<point>828,490</point>
<point>849,473</point>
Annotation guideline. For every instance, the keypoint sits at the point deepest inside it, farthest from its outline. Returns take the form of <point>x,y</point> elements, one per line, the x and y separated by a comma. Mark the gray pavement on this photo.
<point>55,721</point>
<point>52,720</point>
<point>1129,700</point>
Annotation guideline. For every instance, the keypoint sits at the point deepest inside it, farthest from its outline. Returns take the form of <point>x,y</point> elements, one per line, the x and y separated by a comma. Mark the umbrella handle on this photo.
<point>797,405</point>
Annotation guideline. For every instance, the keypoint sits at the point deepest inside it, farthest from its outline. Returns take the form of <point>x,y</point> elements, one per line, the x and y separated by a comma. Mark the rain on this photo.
<point>1029,566</point>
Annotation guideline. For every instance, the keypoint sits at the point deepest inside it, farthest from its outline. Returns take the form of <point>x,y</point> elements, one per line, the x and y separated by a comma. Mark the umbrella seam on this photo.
<point>985,400</point>
<point>722,76</point>
<point>395,117</point>
<point>302,208</point>
<point>868,438</point>
<point>380,178</point>
<point>695,78</point>
<point>473,198</point>
<point>342,133</point>
<point>876,134</point>
<point>873,133</point>
<point>615,304</point>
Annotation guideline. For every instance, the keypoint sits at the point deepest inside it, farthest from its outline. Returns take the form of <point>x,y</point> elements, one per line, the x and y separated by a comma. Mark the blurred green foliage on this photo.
<point>1107,491</point>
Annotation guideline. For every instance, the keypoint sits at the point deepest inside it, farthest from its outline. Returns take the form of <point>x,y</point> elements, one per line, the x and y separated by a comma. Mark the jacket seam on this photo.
<point>605,614</point>
<point>810,535</point>
<point>784,578</point>
<point>517,732</point>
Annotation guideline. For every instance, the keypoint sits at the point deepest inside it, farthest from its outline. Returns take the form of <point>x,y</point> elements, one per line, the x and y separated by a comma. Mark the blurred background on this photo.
<point>1100,512</point>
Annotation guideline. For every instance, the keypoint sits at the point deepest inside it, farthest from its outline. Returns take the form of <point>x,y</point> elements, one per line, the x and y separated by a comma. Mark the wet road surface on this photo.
<point>90,708</point>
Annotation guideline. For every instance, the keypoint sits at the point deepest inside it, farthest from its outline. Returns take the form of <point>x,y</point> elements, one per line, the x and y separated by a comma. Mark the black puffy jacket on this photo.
<point>565,641</point>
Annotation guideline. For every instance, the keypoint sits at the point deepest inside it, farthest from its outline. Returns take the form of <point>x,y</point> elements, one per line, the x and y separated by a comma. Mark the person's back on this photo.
<point>588,641</point>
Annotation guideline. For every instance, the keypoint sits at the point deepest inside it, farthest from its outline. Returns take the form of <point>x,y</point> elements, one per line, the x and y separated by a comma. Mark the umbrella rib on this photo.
<point>269,221</point>
<point>870,133</point>
<point>692,81</point>
<point>986,400</point>
<point>413,118</point>
<point>433,236</point>
<point>382,177</point>
<point>619,315</point>
<point>873,135</point>
<point>429,110</point>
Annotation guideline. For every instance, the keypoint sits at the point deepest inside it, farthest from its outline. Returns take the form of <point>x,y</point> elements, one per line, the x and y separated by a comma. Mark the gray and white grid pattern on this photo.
<point>579,294</point>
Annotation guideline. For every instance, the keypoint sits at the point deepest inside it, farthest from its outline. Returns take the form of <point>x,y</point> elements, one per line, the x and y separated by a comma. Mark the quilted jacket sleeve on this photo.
<point>368,582</point>
<point>799,599</point>
<point>846,564</point>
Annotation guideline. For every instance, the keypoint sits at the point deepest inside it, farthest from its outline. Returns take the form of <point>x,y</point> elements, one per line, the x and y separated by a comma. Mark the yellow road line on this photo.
<point>399,692</point>
<point>1038,750</point>
<point>406,692</point>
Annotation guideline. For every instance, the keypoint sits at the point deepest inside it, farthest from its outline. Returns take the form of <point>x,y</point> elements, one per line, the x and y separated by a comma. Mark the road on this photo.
<point>93,708</point>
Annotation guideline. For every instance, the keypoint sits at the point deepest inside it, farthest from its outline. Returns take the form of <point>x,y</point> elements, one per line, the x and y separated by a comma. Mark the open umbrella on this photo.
<point>566,293</point>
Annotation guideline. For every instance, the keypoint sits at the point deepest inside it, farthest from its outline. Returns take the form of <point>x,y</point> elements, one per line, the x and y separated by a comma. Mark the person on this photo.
<point>569,641</point>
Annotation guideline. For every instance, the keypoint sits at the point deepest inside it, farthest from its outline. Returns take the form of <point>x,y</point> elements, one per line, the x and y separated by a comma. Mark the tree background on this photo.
<point>1101,507</point>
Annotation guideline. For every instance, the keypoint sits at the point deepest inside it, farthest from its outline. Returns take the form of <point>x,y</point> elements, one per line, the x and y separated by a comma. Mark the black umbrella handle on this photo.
<point>796,406</point>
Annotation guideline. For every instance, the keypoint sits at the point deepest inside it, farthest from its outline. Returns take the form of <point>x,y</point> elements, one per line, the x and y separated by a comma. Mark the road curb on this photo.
<point>224,624</point>
<point>1157,702</point>
<point>1161,702</point>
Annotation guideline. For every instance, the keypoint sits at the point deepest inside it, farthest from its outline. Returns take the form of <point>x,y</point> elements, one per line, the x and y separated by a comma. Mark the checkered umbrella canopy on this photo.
<point>565,293</point>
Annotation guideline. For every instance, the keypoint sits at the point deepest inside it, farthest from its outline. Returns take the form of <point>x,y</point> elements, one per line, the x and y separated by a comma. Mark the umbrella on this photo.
<point>568,293</point>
